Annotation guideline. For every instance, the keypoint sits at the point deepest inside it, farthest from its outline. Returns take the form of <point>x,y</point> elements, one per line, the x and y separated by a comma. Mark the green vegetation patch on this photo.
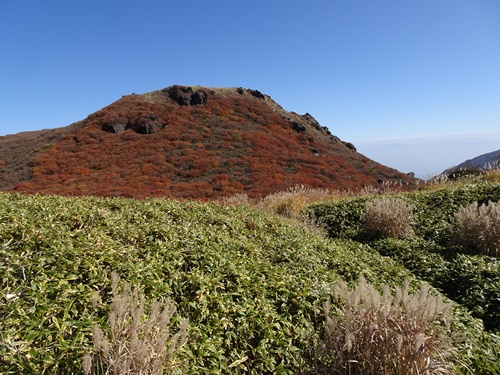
<point>430,251</point>
<point>432,210</point>
<point>251,285</point>
<point>471,280</point>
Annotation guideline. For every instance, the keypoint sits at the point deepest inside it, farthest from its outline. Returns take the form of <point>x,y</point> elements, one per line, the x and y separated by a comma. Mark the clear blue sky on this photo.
<point>392,76</point>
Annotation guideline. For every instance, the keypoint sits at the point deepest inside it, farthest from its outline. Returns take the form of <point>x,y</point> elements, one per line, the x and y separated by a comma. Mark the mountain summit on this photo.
<point>187,142</point>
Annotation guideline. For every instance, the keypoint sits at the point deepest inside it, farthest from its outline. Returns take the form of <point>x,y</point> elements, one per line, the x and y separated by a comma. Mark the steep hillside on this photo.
<point>187,142</point>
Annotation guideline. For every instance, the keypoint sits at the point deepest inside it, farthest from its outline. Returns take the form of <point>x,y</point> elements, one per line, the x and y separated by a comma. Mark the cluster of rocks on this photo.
<point>255,93</point>
<point>186,95</point>
<point>143,124</point>
<point>308,119</point>
<point>149,123</point>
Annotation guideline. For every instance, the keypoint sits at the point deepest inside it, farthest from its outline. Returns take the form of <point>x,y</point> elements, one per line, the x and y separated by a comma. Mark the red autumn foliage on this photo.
<point>197,143</point>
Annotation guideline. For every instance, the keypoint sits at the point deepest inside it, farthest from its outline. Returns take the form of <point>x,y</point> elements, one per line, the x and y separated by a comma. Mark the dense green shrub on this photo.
<point>473,281</point>
<point>249,284</point>
<point>341,218</point>
<point>433,210</point>
<point>423,258</point>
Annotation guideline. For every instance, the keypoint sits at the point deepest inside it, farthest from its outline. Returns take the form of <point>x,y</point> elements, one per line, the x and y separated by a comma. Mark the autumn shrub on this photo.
<point>477,228</point>
<point>135,345</point>
<point>388,217</point>
<point>291,202</point>
<point>373,333</point>
<point>492,175</point>
<point>250,139</point>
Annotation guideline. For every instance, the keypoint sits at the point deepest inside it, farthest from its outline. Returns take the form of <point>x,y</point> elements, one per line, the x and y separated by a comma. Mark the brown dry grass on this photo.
<point>386,334</point>
<point>388,217</point>
<point>136,344</point>
<point>492,175</point>
<point>292,202</point>
<point>477,228</point>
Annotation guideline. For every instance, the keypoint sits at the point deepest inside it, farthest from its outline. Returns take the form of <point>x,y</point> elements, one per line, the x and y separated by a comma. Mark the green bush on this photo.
<point>429,254</point>
<point>251,285</point>
<point>342,219</point>
<point>422,258</point>
<point>472,281</point>
<point>432,211</point>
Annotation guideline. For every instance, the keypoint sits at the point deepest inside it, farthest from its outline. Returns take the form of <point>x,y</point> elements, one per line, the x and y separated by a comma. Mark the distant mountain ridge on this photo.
<point>490,160</point>
<point>188,142</point>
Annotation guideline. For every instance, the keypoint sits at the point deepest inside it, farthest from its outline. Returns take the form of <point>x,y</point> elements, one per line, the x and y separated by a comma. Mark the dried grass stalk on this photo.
<point>137,343</point>
<point>381,333</point>
<point>388,217</point>
<point>478,228</point>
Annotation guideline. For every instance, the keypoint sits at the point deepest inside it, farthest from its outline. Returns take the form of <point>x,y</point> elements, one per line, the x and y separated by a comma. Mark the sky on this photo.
<point>413,84</point>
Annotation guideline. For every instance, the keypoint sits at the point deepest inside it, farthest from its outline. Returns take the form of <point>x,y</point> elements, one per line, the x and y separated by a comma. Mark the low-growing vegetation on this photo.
<point>433,253</point>
<point>477,228</point>
<point>248,286</point>
<point>381,333</point>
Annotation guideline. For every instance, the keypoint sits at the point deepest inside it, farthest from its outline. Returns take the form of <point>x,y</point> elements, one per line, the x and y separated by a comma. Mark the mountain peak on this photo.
<point>188,142</point>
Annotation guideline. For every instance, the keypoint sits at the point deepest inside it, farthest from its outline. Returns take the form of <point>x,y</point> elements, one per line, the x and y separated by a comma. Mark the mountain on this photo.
<point>490,160</point>
<point>187,142</point>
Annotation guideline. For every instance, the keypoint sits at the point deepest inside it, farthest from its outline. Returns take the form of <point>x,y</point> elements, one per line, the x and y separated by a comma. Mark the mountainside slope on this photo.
<point>187,142</point>
<point>481,162</point>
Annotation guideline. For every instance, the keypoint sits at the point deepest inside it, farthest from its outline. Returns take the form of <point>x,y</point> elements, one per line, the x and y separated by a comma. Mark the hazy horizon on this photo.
<point>434,152</point>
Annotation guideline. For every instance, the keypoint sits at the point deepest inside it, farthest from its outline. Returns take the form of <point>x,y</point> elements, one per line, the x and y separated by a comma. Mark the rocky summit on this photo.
<point>188,142</point>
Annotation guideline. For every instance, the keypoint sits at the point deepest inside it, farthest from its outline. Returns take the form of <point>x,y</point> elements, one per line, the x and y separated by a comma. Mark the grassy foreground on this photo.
<point>435,250</point>
<point>252,286</point>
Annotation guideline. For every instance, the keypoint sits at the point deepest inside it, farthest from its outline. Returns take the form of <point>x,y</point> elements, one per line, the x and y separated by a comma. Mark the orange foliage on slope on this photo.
<point>200,144</point>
